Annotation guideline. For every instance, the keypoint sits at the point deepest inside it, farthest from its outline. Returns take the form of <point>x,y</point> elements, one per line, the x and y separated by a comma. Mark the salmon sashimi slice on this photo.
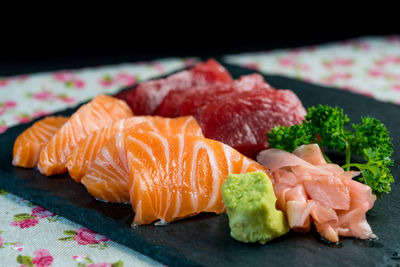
<point>83,154</point>
<point>107,175</point>
<point>30,142</point>
<point>101,111</point>
<point>176,176</point>
<point>310,189</point>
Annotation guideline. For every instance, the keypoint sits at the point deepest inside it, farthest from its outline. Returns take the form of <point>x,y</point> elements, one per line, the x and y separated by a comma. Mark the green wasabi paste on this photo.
<point>250,203</point>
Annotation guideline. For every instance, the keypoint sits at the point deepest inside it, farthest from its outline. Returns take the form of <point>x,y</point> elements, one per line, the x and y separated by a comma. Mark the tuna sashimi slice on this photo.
<point>172,102</point>
<point>190,101</point>
<point>211,71</point>
<point>194,103</point>
<point>147,96</point>
<point>242,120</point>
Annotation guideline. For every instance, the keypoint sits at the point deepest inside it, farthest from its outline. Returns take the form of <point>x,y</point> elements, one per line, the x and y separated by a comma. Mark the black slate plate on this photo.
<point>205,239</point>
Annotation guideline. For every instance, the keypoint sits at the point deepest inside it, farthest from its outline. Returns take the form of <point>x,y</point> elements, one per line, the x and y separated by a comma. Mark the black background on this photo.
<point>69,43</point>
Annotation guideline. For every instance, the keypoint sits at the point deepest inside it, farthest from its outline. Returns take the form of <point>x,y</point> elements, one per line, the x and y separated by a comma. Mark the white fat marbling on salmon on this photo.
<point>228,153</point>
<point>179,175</point>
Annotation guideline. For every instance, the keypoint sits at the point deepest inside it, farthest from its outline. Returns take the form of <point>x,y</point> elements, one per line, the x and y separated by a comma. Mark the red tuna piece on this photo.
<point>172,102</point>
<point>191,101</point>
<point>242,120</point>
<point>211,71</point>
<point>145,99</point>
<point>193,104</point>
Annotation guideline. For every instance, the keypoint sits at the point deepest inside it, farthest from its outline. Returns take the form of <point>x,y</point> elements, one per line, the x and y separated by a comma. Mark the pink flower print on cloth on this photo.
<point>159,67</point>
<point>84,236</point>
<point>86,261</point>
<point>6,81</point>
<point>40,212</point>
<point>122,79</point>
<point>376,72</point>
<point>125,79</point>
<point>50,97</point>
<point>3,128</point>
<point>24,220</point>
<point>103,264</point>
<point>293,62</point>
<point>13,245</point>
<point>356,44</point>
<point>337,76</point>
<point>396,87</point>
<point>69,79</point>
<point>44,95</point>
<point>389,59</point>
<point>4,106</point>
<point>25,118</point>
<point>66,99</point>
<point>252,65</point>
<point>18,246</point>
<point>106,80</point>
<point>338,61</point>
<point>42,258</point>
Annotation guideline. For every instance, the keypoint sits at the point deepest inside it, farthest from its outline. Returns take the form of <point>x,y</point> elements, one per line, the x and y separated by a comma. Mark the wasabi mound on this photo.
<point>250,203</point>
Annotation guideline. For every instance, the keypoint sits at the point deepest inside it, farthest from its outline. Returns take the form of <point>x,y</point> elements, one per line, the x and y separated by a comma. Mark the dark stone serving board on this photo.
<point>205,239</point>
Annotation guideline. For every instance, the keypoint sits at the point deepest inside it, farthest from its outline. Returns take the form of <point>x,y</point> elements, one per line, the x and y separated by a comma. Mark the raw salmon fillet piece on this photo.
<point>86,151</point>
<point>107,177</point>
<point>176,176</point>
<point>101,111</point>
<point>30,142</point>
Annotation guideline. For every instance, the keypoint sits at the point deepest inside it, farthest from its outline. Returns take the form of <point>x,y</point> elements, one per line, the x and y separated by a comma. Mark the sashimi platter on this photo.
<point>214,165</point>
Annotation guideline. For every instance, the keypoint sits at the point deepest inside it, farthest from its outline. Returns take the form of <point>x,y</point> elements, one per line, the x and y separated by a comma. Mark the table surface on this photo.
<point>33,236</point>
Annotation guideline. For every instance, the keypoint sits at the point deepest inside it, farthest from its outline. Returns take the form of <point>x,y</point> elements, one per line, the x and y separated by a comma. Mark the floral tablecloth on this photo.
<point>369,66</point>
<point>33,236</point>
